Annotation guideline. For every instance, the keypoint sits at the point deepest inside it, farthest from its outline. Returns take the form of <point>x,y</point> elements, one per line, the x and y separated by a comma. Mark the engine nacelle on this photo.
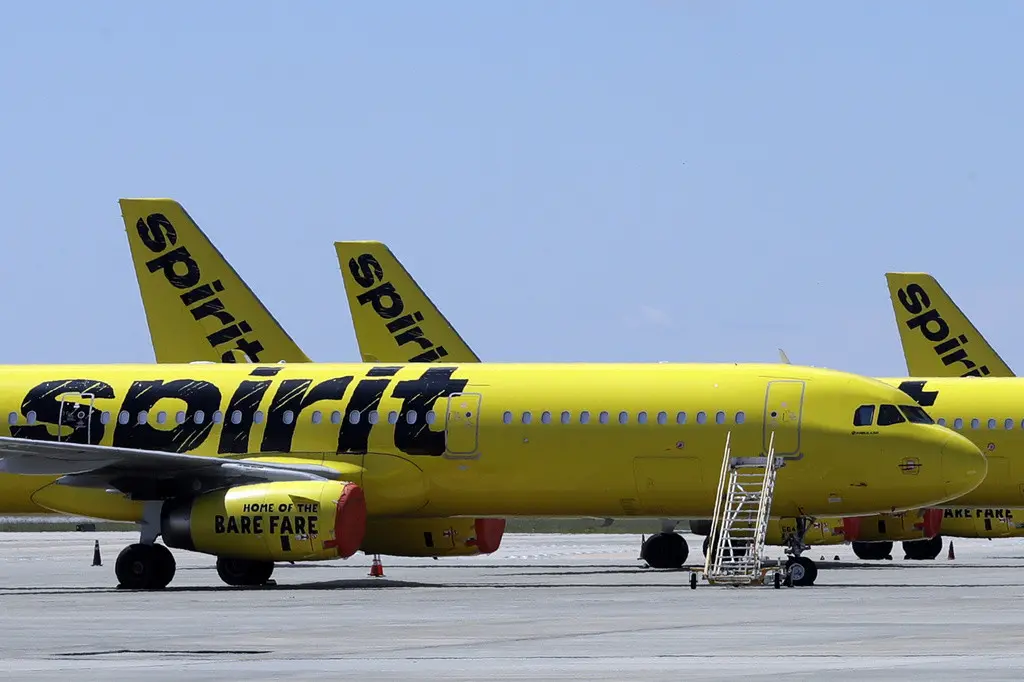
<point>284,521</point>
<point>456,536</point>
<point>963,522</point>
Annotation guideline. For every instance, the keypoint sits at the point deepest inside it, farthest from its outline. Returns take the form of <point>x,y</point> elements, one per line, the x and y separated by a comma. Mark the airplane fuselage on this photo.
<point>498,439</point>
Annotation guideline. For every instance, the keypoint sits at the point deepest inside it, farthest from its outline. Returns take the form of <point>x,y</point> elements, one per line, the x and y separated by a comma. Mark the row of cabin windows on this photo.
<point>355,416</point>
<point>890,414</point>
<point>287,417</point>
<point>623,417</point>
<point>958,423</point>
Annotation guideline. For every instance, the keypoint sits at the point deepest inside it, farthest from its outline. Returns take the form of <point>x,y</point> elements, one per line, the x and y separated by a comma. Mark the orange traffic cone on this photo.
<point>96,561</point>
<point>376,568</point>
<point>950,556</point>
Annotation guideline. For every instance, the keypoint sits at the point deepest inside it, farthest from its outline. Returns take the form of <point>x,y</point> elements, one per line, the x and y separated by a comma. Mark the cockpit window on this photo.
<point>916,415</point>
<point>864,415</point>
<point>889,415</point>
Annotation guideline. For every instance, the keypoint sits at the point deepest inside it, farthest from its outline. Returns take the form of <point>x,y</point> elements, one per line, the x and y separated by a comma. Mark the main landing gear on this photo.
<point>665,550</point>
<point>872,551</point>
<point>244,572</point>
<point>801,571</point>
<point>923,550</point>
<point>146,565</point>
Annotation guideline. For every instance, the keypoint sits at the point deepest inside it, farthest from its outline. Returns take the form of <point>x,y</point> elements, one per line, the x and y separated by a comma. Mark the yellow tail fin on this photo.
<point>938,339</point>
<point>394,320</point>
<point>197,306</point>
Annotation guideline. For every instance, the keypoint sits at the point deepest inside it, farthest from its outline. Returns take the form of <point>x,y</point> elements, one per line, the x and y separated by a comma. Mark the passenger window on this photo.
<point>641,418</point>
<point>584,417</point>
<point>236,417</point>
<point>507,417</point>
<point>663,418</point>
<point>545,417</point>
<point>354,415</point>
<point>143,416</point>
<point>1008,424</point>
<point>105,417</point>
<point>719,417</point>
<point>12,418</point>
<point>942,421</point>
<point>958,423</point>
<point>975,423</point>
<point>410,417</point>
<point>180,418</point>
<point>257,417</point>
<point>603,418</point>
<point>889,415</point>
<point>161,417</point>
<point>991,423</point>
<point>623,417</point>
<point>566,417</point>
<point>430,417</point>
<point>336,417</point>
<point>199,416</point>
<point>374,416</point>
<point>702,417</point>
<point>740,417</point>
<point>392,417</point>
<point>317,416</point>
<point>288,417</point>
<point>218,417</point>
<point>864,415</point>
<point>30,417</point>
<point>916,415</point>
<point>527,417</point>
<point>680,418</point>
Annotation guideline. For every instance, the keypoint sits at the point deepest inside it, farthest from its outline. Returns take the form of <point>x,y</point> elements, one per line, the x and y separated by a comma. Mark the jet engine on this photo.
<point>282,521</point>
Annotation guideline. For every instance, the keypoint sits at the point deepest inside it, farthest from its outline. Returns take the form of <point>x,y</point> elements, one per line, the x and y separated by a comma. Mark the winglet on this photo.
<point>784,357</point>
<point>938,340</point>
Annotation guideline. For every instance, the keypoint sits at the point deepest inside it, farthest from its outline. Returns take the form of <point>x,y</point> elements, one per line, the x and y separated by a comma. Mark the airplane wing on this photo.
<point>145,474</point>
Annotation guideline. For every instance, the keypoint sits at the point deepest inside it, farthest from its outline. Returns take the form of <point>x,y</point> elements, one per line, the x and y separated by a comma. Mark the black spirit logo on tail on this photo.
<point>182,271</point>
<point>932,327</point>
<point>388,305</point>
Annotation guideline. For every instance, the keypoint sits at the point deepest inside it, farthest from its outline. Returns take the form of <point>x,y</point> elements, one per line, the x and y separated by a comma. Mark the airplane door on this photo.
<point>462,424</point>
<point>783,406</point>
<point>75,417</point>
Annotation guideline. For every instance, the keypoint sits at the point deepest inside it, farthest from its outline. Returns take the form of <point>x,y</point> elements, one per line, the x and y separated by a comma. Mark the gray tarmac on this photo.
<point>543,607</point>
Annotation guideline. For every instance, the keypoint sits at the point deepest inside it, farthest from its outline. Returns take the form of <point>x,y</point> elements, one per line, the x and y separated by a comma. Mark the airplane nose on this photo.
<point>964,466</point>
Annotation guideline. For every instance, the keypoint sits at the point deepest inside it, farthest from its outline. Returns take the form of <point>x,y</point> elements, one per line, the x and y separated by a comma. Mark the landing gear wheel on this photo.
<point>665,550</point>
<point>144,567</point>
<point>693,581</point>
<point>923,550</point>
<point>738,548</point>
<point>802,571</point>
<point>872,551</point>
<point>244,572</point>
<point>777,581</point>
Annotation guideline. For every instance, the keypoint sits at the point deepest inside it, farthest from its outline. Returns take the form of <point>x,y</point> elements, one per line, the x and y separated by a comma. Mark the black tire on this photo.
<point>693,581</point>
<point>244,572</point>
<point>741,547</point>
<point>665,550</point>
<point>135,567</point>
<point>802,571</point>
<point>872,551</point>
<point>923,550</point>
<point>165,567</point>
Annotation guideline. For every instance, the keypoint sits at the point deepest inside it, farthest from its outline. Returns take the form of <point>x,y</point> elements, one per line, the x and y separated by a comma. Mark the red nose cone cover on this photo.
<point>488,534</point>
<point>851,528</point>
<point>349,521</point>
<point>932,522</point>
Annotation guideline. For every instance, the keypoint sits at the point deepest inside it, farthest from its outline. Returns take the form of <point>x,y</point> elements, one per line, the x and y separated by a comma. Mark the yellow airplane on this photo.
<point>257,463</point>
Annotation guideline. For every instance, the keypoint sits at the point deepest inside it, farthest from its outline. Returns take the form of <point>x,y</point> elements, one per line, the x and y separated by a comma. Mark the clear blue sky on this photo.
<point>602,181</point>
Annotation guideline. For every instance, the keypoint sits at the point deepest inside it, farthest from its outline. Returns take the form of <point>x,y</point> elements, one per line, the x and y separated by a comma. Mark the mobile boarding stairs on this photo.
<point>739,524</point>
